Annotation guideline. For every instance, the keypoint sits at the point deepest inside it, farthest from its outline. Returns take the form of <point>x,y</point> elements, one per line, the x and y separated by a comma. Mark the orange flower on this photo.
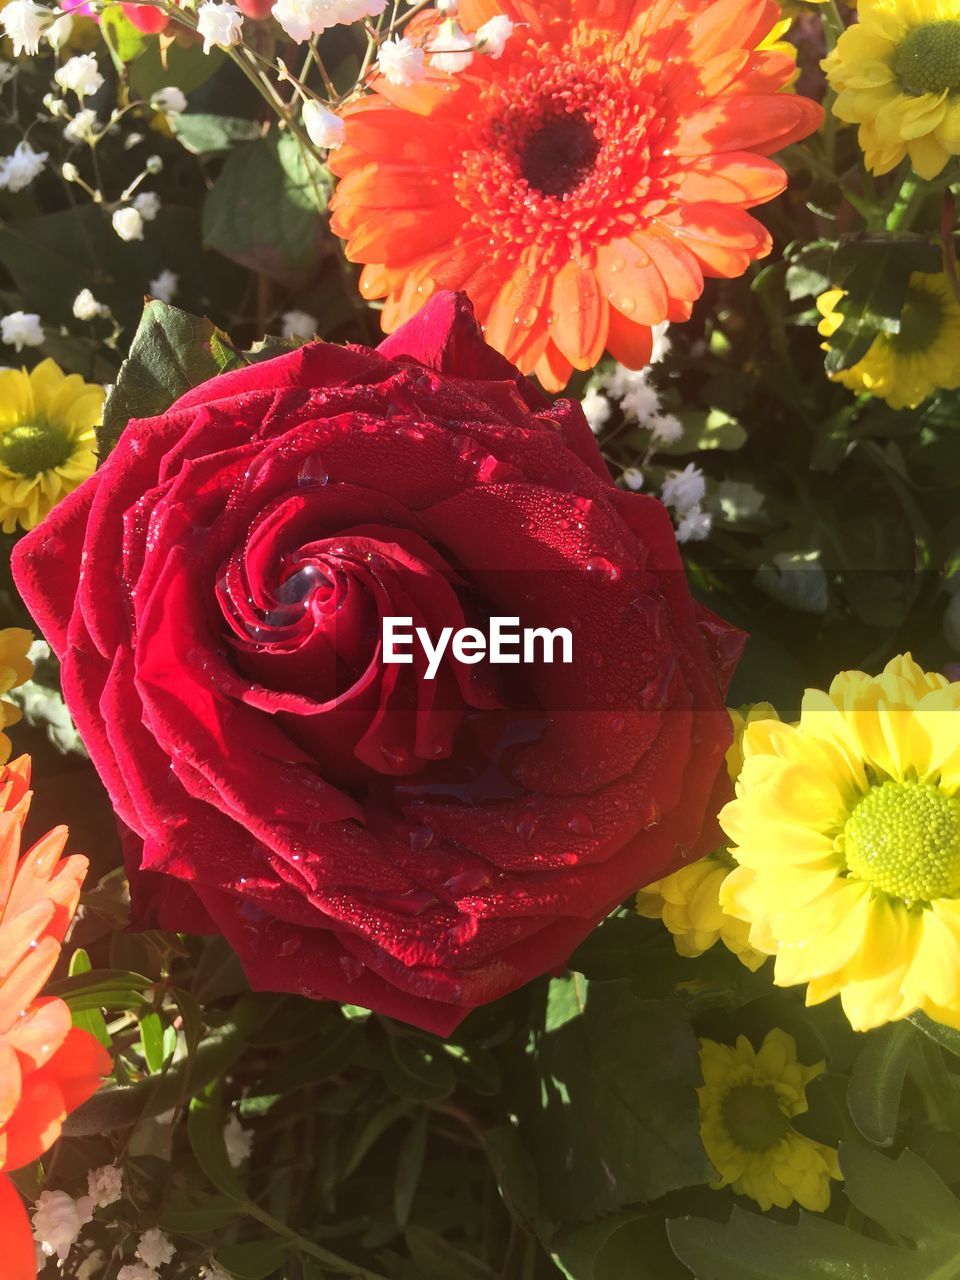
<point>580,186</point>
<point>47,1066</point>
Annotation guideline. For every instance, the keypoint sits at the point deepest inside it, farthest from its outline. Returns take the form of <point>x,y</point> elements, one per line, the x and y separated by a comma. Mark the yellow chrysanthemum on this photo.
<point>846,831</point>
<point>15,669</point>
<point>776,42</point>
<point>897,75</point>
<point>47,440</point>
<point>688,901</point>
<point>747,1101</point>
<point>905,368</point>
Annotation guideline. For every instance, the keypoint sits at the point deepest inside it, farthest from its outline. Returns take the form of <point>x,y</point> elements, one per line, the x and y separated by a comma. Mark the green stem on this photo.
<point>331,1260</point>
<point>911,196</point>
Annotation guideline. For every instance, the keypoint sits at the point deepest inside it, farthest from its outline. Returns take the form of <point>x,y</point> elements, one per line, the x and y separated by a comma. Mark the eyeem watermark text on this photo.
<point>507,642</point>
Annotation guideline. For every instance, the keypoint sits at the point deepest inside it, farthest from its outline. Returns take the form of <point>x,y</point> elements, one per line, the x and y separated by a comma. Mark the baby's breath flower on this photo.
<point>633,478</point>
<point>684,490</point>
<point>219,24</point>
<point>299,324</point>
<point>155,1249</point>
<point>666,428</point>
<point>25,22</point>
<point>83,127</point>
<point>171,99</point>
<point>60,31</point>
<point>153,165</point>
<point>400,61</point>
<point>451,49</point>
<point>81,74</point>
<point>58,1220</point>
<point>105,1185</point>
<point>86,307</point>
<point>694,525</point>
<point>238,1142</point>
<point>137,1271</point>
<point>147,204</point>
<point>596,409</point>
<point>164,286</point>
<point>492,37</point>
<point>324,127</point>
<point>128,223</point>
<point>21,329</point>
<point>19,170</point>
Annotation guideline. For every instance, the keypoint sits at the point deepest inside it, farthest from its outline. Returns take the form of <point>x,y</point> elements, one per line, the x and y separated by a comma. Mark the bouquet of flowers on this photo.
<point>481,586</point>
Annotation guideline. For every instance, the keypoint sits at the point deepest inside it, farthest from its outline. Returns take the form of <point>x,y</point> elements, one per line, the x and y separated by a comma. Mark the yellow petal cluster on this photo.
<point>688,900</point>
<point>905,368</point>
<point>47,440</point>
<point>15,669</point>
<point>846,832</point>
<point>896,73</point>
<point>747,1101</point>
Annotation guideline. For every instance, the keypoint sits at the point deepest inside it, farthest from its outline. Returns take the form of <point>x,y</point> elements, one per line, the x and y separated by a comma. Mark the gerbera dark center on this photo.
<point>928,61</point>
<point>557,156</point>
<point>32,447</point>
<point>920,322</point>
<point>753,1117</point>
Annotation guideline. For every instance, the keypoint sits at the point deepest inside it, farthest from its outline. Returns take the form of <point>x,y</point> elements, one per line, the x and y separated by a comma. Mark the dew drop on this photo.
<point>421,838</point>
<point>601,567</point>
<point>313,473</point>
<point>352,967</point>
<point>581,824</point>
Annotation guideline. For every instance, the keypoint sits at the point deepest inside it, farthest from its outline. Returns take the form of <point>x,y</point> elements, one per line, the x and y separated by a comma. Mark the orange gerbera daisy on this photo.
<point>47,1066</point>
<point>579,186</point>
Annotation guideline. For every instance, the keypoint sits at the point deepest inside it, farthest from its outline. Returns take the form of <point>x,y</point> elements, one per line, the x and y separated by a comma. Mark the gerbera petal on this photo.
<point>629,343</point>
<point>631,282</point>
<point>580,315</point>
<point>19,1251</point>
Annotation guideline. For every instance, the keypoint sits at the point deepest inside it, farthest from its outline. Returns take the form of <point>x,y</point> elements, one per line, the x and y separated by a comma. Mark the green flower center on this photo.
<point>33,447</point>
<point>920,322</point>
<point>928,61</point>
<point>752,1115</point>
<point>903,838</point>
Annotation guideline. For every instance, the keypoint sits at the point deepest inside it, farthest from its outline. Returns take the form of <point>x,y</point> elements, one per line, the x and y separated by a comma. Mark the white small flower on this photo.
<point>21,329</point>
<point>153,165</point>
<point>219,24</point>
<point>300,19</point>
<point>299,324</point>
<point>86,307</point>
<point>70,172</point>
<point>454,48</point>
<point>25,22</point>
<point>83,127</point>
<point>137,1271</point>
<point>171,99</point>
<point>694,525</point>
<point>81,74</point>
<point>684,490</point>
<point>93,1265</point>
<point>58,1220</point>
<point>324,127</point>
<point>7,72</point>
<point>165,286</point>
<point>596,409</point>
<point>213,1272</point>
<point>666,428</point>
<point>641,402</point>
<point>633,478</point>
<point>128,223</point>
<point>20,169</point>
<point>661,342</point>
<point>619,380</point>
<point>147,204</point>
<point>738,499</point>
<point>400,62</point>
<point>132,140</point>
<point>105,1185</point>
<point>59,33</point>
<point>238,1142</point>
<point>492,37</point>
<point>155,1249</point>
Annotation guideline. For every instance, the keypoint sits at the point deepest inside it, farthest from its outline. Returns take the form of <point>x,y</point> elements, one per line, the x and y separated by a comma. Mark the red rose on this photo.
<point>356,831</point>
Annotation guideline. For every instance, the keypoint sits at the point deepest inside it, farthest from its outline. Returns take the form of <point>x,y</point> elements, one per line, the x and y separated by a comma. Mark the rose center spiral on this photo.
<point>928,61</point>
<point>557,156</point>
<point>903,838</point>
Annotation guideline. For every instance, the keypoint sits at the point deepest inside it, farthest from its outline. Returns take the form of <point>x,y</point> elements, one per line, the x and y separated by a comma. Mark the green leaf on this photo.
<point>947,1037</point>
<point>515,1171</point>
<point>203,134</point>
<point>625,1245</point>
<point>417,1068</point>
<point>101,989</point>
<point>409,1169</point>
<point>618,1121</point>
<point>439,1260</point>
<point>253,1259</point>
<point>91,1020</point>
<point>876,1081</point>
<point>195,1213</point>
<point>706,429</point>
<point>264,209</point>
<point>124,42</point>
<point>171,353</point>
<point>180,64</point>
<point>151,1039</point>
<point>205,1131</point>
<point>904,1197</point>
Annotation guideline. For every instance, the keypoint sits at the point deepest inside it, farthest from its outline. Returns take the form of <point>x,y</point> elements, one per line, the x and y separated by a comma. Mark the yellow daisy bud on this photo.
<point>747,1101</point>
